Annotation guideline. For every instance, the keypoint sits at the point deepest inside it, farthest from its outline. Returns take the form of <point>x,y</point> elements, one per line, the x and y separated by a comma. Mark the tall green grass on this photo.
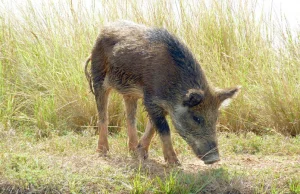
<point>43,49</point>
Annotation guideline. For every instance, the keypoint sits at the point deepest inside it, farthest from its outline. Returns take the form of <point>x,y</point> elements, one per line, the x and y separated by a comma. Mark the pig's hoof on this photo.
<point>172,161</point>
<point>142,153</point>
<point>103,151</point>
<point>133,153</point>
<point>133,149</point>
<point>132,145</point>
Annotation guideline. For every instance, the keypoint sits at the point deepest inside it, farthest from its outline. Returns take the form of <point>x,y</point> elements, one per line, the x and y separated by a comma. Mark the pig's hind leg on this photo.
<point>101,91</point>
<point>101,96</point>
<point>145,141</point>
<point>131,107</point>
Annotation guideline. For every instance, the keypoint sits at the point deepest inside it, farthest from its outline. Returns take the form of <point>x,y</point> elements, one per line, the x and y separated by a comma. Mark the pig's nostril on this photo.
<point>212,145</point>
<point>211,161</point>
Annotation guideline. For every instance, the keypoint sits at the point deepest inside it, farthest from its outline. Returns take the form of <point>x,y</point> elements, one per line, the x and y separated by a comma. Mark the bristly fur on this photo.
<point>153,64</point>
<point>181,55</point>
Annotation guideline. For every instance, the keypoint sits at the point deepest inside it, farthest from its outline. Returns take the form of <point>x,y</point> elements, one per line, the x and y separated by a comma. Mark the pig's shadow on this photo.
<point>186,178</point>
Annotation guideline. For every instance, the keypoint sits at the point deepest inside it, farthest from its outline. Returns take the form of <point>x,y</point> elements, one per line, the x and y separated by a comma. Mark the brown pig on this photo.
<point>152,64</point>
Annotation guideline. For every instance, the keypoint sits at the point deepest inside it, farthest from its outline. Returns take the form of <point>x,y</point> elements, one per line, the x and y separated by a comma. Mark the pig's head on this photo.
<point>196,117</point>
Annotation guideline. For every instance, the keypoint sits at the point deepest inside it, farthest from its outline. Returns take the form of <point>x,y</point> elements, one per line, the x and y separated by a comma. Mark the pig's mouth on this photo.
<point>210,157</point>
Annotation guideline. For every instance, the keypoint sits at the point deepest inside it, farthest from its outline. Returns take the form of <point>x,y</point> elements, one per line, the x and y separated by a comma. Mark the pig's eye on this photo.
<point>199,120</point>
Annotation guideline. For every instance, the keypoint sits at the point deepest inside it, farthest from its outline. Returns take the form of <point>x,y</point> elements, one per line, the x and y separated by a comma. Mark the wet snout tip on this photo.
<point>212,159</point>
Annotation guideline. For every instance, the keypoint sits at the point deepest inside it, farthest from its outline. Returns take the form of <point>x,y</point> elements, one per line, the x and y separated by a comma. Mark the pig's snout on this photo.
<point>211,159</point>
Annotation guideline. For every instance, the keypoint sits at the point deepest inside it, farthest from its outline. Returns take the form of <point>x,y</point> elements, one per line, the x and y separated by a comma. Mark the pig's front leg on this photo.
<point>157,116</point>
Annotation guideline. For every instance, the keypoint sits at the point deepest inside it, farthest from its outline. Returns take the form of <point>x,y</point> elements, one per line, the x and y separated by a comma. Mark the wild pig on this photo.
<point>152,64</point>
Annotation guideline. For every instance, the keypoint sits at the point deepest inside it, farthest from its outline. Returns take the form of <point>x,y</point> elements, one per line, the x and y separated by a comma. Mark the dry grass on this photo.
<point>47,113</point>
<point>43,49</point>
<point>68,164</point>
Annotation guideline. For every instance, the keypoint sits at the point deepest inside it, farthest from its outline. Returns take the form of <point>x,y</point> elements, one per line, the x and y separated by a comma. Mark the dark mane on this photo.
<point>181,55</point>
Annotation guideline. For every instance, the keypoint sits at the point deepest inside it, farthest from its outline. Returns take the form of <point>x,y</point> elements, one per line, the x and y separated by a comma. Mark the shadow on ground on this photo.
<point>151,176</point>
<point>191,177</point>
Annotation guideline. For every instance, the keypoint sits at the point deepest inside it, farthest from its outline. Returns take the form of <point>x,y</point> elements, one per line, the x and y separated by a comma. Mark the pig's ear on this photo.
<point>193,98</point>
<point>226,94</point>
